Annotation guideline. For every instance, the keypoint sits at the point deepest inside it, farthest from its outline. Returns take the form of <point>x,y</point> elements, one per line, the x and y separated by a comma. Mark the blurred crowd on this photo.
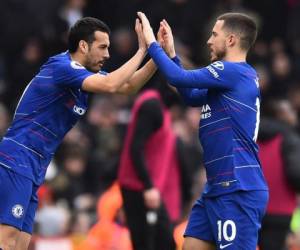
<point>80,199</point>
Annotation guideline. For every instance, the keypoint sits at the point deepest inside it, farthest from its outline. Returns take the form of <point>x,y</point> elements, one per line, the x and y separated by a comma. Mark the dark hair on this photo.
<point>84,29</point>
<point>242,25</point>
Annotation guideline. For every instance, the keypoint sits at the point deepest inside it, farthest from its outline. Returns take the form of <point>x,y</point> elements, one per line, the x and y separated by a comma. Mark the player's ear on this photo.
<point>83,46</point>
<point>231,40</point>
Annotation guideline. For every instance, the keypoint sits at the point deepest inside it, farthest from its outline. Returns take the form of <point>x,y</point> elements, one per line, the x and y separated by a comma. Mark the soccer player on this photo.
<point>228,214</point>
<point>50,106</point>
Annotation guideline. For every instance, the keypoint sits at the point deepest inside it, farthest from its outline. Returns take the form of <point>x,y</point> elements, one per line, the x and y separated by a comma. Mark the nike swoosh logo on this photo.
<point>224,246</point>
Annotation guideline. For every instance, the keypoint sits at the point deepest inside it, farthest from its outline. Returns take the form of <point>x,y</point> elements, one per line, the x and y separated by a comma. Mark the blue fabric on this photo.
<point>50,106</point>
<point>18,200</point>
<point>192,96</point>
<point>230,221</point>
<point>229,98</point>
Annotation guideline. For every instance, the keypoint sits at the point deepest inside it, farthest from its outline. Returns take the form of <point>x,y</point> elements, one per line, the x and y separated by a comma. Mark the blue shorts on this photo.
<point>18,200</point>
<point>230,221</point>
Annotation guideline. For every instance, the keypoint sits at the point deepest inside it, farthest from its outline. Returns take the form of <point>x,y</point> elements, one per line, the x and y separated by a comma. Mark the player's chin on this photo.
<point>95,69</point>
<point>213,58</point>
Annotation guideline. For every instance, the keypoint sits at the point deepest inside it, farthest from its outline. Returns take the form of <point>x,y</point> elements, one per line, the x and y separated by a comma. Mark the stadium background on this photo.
<point>86,163</point>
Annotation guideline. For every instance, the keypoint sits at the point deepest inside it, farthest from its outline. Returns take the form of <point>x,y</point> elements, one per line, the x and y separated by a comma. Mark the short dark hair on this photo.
<point>242,25</point>
<point>84,29</point>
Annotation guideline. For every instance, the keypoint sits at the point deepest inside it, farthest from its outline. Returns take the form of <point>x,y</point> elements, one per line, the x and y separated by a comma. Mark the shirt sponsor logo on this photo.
<point>218,65</point>
<point>17,211</point>
<point>205,111</point>
<point>213,71</point>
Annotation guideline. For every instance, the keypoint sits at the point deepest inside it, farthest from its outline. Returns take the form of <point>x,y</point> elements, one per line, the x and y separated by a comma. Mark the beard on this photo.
<point>93,67</point>
<point>219,54</point>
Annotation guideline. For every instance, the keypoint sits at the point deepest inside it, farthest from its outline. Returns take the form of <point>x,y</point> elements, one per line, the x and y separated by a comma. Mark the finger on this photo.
<point>166,23</point>
<point>160,30</point>
<point>143,18</point>
<point>162,27</point>
<point>160,38</point>
<point>138,24</point>
<point>141,15</point>
<point>138,27</point>
<point>165,27</point>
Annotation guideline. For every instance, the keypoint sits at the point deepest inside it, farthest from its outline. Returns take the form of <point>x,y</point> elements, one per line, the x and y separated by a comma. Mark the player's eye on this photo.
<point>103,47</point>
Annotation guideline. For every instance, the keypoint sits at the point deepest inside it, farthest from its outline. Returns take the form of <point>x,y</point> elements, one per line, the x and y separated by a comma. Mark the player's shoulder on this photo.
<point>63,63</point>
<point>219,69</point>
<point>227,68</point>
<point>59,59</point>
<point>242,68</point>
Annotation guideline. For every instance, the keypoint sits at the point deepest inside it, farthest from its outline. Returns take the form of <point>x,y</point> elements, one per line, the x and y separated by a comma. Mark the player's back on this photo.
<point>228,129</point>
<point>49,107</point>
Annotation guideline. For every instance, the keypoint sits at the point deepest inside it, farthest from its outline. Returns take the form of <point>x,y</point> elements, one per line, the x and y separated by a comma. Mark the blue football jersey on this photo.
<point>229,97</point>
<point>50,106</point>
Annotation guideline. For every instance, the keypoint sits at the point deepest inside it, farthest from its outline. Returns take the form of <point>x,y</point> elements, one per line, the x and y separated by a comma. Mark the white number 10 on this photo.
<point>223,230</point>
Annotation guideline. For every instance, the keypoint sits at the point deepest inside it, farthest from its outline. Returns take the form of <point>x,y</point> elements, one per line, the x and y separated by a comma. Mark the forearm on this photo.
<point>112,82</point>
<point>181,78</point>
<point>139,78</point>
<point>139,164</point>
<point>170,68</point>
<point>193,97</point>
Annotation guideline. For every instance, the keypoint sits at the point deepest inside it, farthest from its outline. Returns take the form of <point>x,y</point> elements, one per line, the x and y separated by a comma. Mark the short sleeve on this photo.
<point>70,74</point>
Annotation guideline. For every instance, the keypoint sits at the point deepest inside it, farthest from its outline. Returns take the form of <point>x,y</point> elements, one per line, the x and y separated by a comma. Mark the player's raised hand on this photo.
<point>139,31</point>
<point>167,37</point>
<point>147,30</point>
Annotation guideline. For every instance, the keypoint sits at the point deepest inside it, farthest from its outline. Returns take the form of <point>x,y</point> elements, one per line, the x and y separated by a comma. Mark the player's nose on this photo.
<point>107,55</point>
<point>209,41</point>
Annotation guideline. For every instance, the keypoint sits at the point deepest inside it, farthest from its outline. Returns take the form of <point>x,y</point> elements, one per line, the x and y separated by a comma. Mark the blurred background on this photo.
<point>80,205</point>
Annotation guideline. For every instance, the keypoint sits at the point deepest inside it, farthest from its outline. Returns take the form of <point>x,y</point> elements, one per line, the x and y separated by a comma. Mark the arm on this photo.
<point>149,120</point>
<point>192,96</point>
<point>113,82</point>
<point>139,78</point>
<point>205,78</point>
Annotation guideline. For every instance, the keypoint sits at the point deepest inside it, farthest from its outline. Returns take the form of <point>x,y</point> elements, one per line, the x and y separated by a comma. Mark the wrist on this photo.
<point>142,51</point>
<point>150,41</point>
<point>149,44</point>
<point>172,54</point>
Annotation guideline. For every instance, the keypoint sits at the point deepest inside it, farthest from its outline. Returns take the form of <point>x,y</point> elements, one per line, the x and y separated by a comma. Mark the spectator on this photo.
<point>280,157</point>
<point>149,169</point>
